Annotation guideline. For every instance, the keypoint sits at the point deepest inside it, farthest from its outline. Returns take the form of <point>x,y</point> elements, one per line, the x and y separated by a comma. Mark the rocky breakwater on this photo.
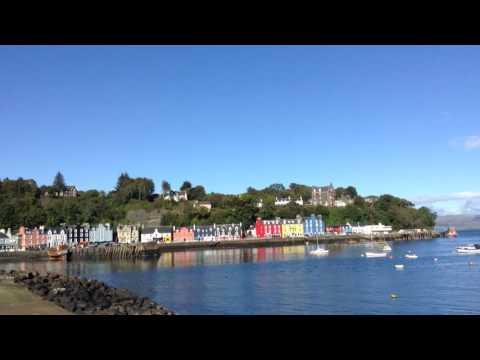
<point>84,296</point>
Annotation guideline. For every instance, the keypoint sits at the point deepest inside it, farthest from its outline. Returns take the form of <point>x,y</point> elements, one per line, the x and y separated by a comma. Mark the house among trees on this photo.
<point>288,200</point>
<point>202,204</point>
<point>323,195</point>
<point>176,196</point>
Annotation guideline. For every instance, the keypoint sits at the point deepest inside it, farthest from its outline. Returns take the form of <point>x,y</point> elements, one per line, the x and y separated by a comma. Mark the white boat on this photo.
<point>399,266</point>
<point>387,248</point>
<point>469,249</point>
<point>411,256</point>
<point>375,254</point>
<point>318,252</point>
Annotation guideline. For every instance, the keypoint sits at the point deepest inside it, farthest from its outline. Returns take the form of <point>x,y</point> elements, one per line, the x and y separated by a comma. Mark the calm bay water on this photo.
<point>286,280</point>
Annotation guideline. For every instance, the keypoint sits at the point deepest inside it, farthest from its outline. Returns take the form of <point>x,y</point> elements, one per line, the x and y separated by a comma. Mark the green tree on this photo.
<point>59,182</point>
<point>197,193</point>
<point>123,179</point>
<point>186,186</point>
<point>166,188</point>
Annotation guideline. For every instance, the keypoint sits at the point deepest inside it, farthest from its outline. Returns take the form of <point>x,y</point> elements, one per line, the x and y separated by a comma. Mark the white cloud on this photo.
<point>471,142</point>
<point>465,202</point>
<point>466,143</point>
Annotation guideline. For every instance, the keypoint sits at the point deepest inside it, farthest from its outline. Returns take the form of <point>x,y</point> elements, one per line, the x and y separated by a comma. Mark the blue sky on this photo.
<point>387,119</point>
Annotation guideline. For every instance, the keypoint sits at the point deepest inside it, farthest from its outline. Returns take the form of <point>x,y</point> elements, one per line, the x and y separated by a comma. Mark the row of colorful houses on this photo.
<point>75,235</point>
<point>43,238</point>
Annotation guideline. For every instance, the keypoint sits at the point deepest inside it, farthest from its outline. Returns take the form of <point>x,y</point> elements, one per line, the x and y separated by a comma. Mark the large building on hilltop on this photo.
<point>323,195</point>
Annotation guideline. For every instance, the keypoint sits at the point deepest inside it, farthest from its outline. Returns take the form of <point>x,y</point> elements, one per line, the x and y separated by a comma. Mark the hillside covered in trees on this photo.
<point>24,202</point>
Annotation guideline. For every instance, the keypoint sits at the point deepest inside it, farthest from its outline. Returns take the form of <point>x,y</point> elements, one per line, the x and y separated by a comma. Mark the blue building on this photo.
<point>204,232</point>
<point>313,225</point>
<point>101,233</point>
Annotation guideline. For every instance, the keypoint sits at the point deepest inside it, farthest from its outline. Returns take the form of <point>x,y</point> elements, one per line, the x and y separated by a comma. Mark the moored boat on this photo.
<point>57,253</point>
<point>469,249</point>
<point>411,256</point>
<point>318,252</point>
<point>369,254</point>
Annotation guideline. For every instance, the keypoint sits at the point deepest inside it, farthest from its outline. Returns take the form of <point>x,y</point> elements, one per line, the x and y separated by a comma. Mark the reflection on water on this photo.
<point>230,256</point>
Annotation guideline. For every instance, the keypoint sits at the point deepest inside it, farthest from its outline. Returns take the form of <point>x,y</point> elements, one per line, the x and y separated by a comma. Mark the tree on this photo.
<point>166,188</point>
<point>351,192</point>
<point>123,179</point>
<point>187,185</point>
<point>59,182</point>
<point>197,193</point>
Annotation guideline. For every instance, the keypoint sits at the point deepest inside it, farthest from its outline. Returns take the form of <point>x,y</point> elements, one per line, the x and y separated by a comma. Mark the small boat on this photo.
<point>387,248</point>
<point>318,252</point>
<point>57,253</point>
<point>399,266</point>
<point>369,254</point>
<point>411,256</point>
<point>469,249</point>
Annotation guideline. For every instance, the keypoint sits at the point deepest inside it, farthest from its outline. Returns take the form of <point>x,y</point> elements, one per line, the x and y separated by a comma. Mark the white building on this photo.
<point>56,237</point>
<point>101,233</point>
<point>285,201</point>
<point>379,229</point>
<point>260,203</point>
<point>202,204</point>
<point>340,203</point>
<point>8,242</point>
<point>176,196</point>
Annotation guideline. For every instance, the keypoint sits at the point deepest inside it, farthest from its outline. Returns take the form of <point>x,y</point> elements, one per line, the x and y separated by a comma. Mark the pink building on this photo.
<point>32,239</point>
<point>183,234</point>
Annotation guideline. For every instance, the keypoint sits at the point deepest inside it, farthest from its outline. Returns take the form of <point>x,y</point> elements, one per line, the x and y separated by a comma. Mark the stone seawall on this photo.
<point>85,296</point>
<point>24,255</point>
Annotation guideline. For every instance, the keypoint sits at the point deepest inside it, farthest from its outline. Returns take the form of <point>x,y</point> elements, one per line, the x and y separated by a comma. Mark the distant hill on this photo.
<point>461,222</point>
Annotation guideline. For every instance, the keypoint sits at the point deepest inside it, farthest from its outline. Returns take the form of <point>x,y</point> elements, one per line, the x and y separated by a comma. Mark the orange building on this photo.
<point>183,234</point>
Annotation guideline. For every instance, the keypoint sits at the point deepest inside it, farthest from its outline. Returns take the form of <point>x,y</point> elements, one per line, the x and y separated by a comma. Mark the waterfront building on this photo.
<point>251,231</point>
<point>77,234</point>
<point>268,228</point>
<point>323,195</point>
<point>292,227</point>
<point>161,234</point>
<point>183,234</point>
<point>228,231</point>
<point>313,225</point>
<point>128,234</point>
<point>8,242</point>
<point>378,229</point>
<point>288,200</point>
<point>31,239</point>
<point>204,232</point>
<point>334,229</point>
<point>100,234</point>
<point>56,237</point>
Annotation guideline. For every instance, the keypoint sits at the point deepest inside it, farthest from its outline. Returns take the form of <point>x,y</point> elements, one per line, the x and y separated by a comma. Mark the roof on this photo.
<point>3,236</point>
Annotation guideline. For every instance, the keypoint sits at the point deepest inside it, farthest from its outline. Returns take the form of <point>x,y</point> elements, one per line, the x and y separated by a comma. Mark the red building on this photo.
<point>268,228</point>
<point>334,229</point>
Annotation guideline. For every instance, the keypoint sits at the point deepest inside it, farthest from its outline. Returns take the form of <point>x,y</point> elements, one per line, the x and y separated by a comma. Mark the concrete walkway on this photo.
<point>15,299</point>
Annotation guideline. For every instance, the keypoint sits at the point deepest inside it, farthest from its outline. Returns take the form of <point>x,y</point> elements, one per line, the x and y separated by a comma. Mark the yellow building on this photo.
<point>291,228</point>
